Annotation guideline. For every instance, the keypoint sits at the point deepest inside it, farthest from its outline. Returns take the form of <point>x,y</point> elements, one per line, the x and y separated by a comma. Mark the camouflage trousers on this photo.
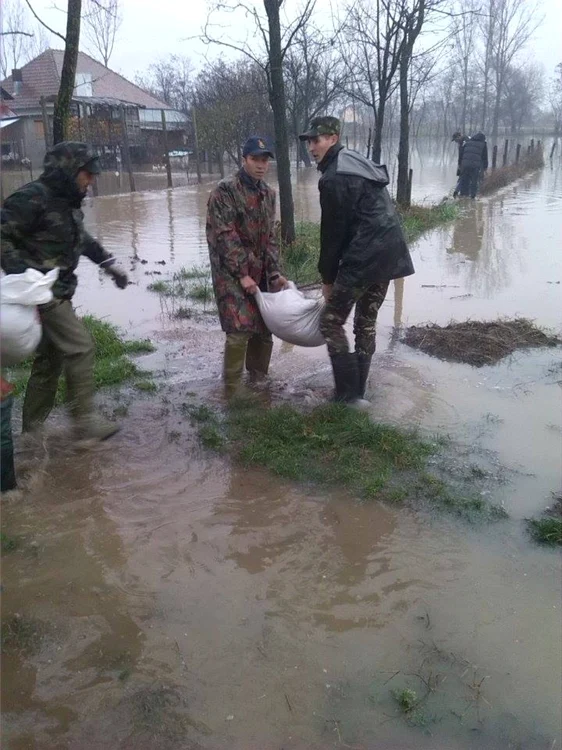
<point>367,301</point>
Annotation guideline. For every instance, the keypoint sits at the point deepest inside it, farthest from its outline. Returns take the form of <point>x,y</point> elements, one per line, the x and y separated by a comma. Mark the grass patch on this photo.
<point>21,634</point>
<point>183,313</point>
<point>160,287</point>
<point>334,445</point>
<point>419,219</point>
<point>477,343</point>
<point>498,178</point>
<point>548,529</point>
<point>8,543</point>
<point>112,365</point>
<point>202,292</point>
<point>300,260</point>
<point>196,272</point>
<point>331,445</point>
<point>148,386</point>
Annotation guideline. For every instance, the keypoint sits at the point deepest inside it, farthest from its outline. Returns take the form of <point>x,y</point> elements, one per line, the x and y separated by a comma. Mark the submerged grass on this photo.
<point>300,260</point>
<point>548,529</point>
<point>337,446</point>
<point>21,634</point>
<point>112,364</point>
<point>8,543</point>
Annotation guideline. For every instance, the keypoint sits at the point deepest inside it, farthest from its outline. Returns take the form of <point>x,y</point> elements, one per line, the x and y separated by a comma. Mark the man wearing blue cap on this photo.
<point>244,257</point>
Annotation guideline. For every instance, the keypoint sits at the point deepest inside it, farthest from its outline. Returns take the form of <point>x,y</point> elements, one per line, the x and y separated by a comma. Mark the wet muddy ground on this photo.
<point>182,602</point>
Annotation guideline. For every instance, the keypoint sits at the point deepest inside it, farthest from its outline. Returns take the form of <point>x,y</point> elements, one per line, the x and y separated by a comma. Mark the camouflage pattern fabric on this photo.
<point>322,126</point>
<point>42,224</point>
<point>240,235</point>
<point>368,301</point>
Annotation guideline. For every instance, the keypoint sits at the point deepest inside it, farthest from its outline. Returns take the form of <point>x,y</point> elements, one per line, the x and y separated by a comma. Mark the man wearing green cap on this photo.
<point>42,228</point>
<point>362,248</point>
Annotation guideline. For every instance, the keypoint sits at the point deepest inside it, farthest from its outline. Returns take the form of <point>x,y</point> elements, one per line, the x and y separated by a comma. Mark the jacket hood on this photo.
<point>61,165</point>
<point>353,163</point>
<point>478,137</point>
<point>69,157</point>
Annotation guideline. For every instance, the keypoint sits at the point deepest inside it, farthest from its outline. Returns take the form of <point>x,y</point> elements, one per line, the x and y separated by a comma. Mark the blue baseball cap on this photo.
<point>256,146</point>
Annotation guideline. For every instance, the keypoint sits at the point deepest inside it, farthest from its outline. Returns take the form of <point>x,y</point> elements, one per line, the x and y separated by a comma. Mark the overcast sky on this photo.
<point>153,29</point>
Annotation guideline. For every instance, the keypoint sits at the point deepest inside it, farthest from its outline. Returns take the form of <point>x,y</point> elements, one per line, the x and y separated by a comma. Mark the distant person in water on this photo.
<point>474,162</point>
<point>460,140</point>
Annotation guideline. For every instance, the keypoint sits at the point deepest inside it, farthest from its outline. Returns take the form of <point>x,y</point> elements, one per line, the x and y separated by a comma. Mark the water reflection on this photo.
<point>468,231</point>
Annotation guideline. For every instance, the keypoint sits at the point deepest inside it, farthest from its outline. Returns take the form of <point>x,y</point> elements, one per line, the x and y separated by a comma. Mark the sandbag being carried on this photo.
<point>291,316</point>
<point>20,325</point>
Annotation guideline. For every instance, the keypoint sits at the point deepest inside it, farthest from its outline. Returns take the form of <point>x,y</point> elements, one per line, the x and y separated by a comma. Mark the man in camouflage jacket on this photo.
<point>362,248</point>
<point>42,228</point>
<point>244,257</point>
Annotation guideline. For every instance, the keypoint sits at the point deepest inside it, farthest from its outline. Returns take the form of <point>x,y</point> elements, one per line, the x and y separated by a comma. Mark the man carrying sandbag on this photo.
<point>362,248</point>
<point>244,258</point>
<point>42,228</point>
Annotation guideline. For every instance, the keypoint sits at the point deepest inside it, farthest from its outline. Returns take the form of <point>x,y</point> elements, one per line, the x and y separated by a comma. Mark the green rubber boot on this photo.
<point>233,365</point>
<point>258,355</point>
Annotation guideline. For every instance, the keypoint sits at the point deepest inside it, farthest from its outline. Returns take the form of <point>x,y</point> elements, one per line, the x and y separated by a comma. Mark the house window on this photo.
<point>83,84</point>
<point>39,129</point>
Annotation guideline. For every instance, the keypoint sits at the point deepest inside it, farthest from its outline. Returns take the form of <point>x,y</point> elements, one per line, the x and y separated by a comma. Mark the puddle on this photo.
<point>191,604</point>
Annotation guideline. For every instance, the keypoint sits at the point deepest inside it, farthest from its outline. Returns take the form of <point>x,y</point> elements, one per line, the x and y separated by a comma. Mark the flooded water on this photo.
<point>187,603</point>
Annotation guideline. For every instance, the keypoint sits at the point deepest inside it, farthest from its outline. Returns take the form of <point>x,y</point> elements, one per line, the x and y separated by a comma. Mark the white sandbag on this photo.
<point>20,325</point>
<point>291,316</point>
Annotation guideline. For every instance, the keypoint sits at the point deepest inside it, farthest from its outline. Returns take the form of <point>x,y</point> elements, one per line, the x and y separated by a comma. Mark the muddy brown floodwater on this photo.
<point>186,603</point>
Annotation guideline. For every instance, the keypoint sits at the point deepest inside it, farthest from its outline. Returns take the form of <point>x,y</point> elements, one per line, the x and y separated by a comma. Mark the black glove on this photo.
<point>119,277</point>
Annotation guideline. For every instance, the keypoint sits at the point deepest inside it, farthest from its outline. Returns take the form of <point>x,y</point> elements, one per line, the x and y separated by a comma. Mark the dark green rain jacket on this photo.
<point>43,224</point>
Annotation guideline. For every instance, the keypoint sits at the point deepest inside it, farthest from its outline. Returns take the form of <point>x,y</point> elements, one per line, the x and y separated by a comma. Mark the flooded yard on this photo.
<point>162,598</point>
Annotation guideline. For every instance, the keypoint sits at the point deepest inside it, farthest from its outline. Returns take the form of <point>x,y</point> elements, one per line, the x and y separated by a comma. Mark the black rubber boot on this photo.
<point>363,365</point>
<point>346,377</point>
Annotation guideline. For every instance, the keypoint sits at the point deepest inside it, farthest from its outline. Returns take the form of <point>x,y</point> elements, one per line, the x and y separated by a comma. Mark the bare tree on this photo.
<point>314,81</point>
<point>373,33</point>
<point>102,20</point>
<point>515,23</point>
<point>22,40</point>
<point>61,115</point>
<point>275,39</point>
<point>555,98</point>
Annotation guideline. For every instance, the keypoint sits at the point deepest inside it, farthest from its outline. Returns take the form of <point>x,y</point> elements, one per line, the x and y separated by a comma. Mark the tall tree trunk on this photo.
<point>488,61</point>
<point>61,116</point>
<point>304,154</point>
<point>277,101</point>
<point>402,191</point>
<point>379,124</point>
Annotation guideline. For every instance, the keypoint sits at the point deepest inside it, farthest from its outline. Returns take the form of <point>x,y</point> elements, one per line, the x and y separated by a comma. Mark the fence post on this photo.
<point>369,144</point>
<point>517,153</point>
<point>505,150</point>
<point>532,145</point>
<point>46,128</point>
<point>126,151</point>
<point>553,149</point>
<point>494,156</point>
<point>166,151</point>
<point>410,180</point>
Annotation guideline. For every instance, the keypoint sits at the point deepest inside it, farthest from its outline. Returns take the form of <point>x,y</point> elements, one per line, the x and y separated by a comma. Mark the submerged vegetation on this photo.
<point>335,445</point>
<point>113,364</point>
<point>547,530</point>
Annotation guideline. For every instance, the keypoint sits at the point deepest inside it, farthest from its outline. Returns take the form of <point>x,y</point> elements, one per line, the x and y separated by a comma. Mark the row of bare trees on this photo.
<point>387,67</point>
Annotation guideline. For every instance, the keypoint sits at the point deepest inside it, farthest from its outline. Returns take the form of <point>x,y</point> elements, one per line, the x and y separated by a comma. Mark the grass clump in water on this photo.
<point>196,272</point>
<point>548,529</point>
<point>8,543</point>
<point>419,219</point>
<point>329,445</point>
<point>112,365</point>
<point>477,343</point>
<point>498,178</point>
<point>21,634</point>
<point>202,292</point>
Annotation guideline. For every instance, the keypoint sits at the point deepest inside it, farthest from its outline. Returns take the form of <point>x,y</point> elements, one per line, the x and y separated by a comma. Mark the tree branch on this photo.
<point>56,33</point>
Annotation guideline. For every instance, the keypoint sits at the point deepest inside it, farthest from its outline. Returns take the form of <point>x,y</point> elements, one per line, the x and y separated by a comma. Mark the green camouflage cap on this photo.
<point>322,126</point>
<point>71,157</point>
